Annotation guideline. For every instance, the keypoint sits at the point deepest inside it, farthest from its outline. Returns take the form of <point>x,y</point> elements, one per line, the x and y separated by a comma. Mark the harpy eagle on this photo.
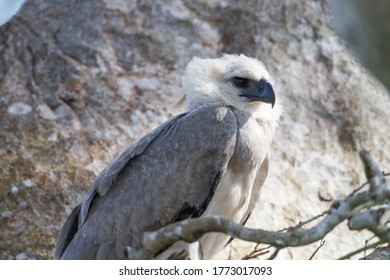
<point>210,160</point>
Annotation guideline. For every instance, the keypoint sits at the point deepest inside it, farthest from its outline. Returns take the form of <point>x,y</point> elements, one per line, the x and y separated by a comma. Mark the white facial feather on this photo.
<point>209,81</point>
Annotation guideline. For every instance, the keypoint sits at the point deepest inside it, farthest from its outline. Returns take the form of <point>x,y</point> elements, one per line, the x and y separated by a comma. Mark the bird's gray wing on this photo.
<point>67,232</point>
<point>169,175</point>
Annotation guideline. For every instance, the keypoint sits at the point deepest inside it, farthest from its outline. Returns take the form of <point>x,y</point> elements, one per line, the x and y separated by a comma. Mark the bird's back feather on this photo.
<point>169,175</point>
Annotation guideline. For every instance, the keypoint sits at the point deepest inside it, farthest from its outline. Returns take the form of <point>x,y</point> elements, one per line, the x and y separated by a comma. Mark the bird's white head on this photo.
<point>234,80</point>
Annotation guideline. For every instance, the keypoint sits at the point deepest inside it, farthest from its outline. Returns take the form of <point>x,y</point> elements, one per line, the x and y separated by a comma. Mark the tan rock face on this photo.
<point>80,82</point>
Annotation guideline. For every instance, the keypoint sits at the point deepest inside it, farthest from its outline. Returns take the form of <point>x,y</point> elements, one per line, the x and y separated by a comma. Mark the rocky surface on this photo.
<point>365,28</point>
<point>81,80</point>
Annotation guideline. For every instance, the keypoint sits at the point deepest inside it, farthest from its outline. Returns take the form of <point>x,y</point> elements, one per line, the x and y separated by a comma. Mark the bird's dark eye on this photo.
<point>240,82</point>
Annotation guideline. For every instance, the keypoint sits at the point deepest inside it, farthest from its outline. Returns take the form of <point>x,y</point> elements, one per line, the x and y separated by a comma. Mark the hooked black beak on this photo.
<point>260,91</point>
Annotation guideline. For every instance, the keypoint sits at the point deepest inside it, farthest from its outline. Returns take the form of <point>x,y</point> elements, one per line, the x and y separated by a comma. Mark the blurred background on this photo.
<point>82,80</point>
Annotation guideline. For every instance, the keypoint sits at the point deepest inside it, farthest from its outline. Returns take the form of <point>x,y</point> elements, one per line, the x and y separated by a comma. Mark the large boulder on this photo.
<point>82,80</point>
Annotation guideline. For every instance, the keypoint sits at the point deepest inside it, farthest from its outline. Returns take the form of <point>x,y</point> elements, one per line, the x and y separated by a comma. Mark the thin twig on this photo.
<point>300,224</point>
<point>253,255</point>
<point>322,243</point>
<point>358,189</point>
<point>365,184</point>
<point>365,244</point>
<point>373,245</point>
<point>256,252</point>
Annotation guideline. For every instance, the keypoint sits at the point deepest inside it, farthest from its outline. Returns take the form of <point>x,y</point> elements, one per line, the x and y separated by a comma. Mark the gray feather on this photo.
<point>67,232</point>
<point>170,174</point>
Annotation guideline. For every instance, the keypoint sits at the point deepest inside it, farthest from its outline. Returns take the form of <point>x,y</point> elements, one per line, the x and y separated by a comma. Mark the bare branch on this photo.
<point>352,208</point>
<point>365,184</point>
<point>274,254</point>
<point>373,173</point>
<point>382,253</point>
<point>368,219</point>
<point>366,247</point>
<point>193,229</point>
